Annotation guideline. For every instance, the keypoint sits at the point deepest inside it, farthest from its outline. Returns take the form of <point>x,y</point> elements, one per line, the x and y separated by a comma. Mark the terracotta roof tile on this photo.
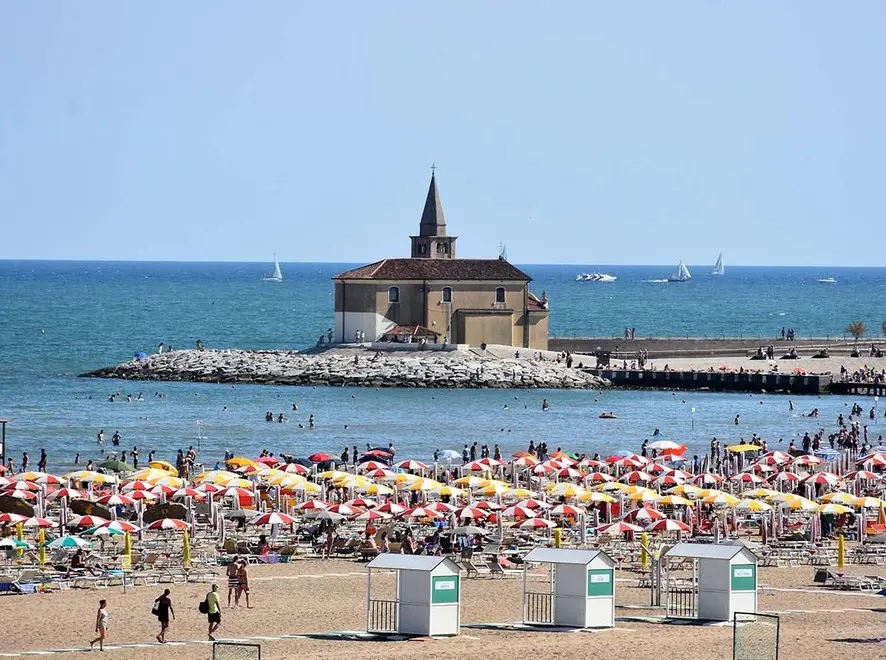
<point>437,269</point>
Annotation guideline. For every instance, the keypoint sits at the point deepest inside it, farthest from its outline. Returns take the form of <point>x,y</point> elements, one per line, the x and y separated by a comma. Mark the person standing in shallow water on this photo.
<point>101,625</point>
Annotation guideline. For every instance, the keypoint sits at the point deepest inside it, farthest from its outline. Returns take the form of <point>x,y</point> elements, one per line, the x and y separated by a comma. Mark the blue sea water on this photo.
<point>59,319</point>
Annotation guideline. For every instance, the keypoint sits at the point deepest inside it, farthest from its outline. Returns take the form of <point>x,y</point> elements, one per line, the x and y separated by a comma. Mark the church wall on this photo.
<point>538,332</point>
<point>371,324</point>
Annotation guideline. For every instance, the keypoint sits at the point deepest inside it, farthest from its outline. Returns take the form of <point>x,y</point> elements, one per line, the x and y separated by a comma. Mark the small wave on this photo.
<point>655,281</point>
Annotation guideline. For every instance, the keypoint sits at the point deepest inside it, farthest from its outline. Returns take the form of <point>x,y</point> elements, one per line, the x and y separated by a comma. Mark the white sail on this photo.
<point>277,275</point>
<point>718,267</point>
<point>682,274</point>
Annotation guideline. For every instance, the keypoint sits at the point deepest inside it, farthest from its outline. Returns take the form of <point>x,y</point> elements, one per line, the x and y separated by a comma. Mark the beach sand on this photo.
<point>313,596</point>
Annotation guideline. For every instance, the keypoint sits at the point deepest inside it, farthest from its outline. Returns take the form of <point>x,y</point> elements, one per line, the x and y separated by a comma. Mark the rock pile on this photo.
<point>352,367</point>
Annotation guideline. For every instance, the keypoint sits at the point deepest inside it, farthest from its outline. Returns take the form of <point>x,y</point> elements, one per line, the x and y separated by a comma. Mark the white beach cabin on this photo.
<point>579,592</point>
<point>723,582</point>
<point>427,596</point>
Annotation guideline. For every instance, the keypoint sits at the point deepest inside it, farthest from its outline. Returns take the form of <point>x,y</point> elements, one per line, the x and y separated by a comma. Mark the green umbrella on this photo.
<point>116,466</point>
<point>14,544</point>
<point>69,542</point>
<point>102,531</point>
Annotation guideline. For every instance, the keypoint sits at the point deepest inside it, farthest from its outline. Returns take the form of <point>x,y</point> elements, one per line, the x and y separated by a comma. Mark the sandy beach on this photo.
<point>319,596</point>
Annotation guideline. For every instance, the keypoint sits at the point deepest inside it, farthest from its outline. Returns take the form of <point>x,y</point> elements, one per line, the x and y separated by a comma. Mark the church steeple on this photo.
<point>432,221</point>
<point>432,241</point>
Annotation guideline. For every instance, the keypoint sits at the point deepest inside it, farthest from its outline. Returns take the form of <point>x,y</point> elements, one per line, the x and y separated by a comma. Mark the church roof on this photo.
<point>432,221</point>
<point>437,269</point>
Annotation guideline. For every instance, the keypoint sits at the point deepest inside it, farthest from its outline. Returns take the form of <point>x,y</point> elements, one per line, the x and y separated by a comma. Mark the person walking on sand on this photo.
<point>233,573</point>
<point>163,609</point>
<point>213,611</point>
<point>101,625</point>
<point>243,589</point>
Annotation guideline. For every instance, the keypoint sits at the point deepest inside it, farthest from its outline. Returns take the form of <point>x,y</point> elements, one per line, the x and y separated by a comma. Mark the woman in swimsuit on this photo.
<point>101,625</point>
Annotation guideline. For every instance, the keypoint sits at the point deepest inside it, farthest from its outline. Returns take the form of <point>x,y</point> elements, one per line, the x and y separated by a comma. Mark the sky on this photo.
<point>572,132</point>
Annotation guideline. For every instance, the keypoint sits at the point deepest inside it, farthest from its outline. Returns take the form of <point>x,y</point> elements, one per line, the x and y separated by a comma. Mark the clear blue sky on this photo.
<point>575,132</point>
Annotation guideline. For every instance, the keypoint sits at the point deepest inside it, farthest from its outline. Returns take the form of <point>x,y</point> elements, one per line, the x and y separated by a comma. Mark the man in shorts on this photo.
<point>213,611</point>
<point>233,573</point>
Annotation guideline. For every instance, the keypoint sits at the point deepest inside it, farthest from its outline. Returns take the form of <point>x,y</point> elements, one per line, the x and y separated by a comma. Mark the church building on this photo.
<point>434,295</point>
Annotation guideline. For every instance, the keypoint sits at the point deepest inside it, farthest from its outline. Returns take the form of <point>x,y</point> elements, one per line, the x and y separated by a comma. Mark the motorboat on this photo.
<point>828,280</point>
<point>595,277</point>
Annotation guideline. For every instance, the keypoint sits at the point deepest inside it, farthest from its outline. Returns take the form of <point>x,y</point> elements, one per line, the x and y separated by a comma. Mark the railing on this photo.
<point>382,616</point>
<point>681,601</point>
<point>539,607</point>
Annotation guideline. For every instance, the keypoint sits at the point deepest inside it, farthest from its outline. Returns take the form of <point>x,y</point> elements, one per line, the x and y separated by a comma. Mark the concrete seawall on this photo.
<point>716,381</point>
<point>659,348</point>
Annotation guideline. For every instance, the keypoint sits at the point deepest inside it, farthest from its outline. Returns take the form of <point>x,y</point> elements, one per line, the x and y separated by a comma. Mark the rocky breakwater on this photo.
<point>352,367</point>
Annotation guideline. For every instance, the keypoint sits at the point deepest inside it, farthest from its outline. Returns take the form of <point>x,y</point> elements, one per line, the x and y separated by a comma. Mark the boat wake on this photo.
<point>656,281</point>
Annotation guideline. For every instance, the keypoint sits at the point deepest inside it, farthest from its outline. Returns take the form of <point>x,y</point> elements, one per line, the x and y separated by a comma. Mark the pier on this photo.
<point>719,381</point>
<point>863,389</point>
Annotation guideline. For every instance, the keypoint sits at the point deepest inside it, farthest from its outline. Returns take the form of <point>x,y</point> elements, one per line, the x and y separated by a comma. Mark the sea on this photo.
<point>59,319</point>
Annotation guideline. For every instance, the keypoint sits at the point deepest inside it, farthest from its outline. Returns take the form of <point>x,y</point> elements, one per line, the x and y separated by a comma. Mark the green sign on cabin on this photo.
<point>744,577</point>
<point>444,589</point>
<point>600,581</point>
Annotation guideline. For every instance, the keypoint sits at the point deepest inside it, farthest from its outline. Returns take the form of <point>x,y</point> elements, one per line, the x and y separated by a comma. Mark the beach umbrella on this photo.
<point>800,504</point>
<point>471,512</point>
<point>565,510</point>
<point>493,488</point>
<point>49,480</point>
<point>668,525</point>
<point>739,449</point>
<point>166,466</point>
<point>87,521</point>
<point>752,505</point>
<point>838,497</point>
<point>868,503</point>
<point>468,530</point>
<point>833,508</point>
<point>313,505</point>
<point>122,526</point>
<point>376,489</point>
<point>344,510</point>
<point>101,532</point>
<point>327,515</point>
<point>644,496</point>
<point>12,518</point>
<point>115,500</point>
<point>516,493</point>
<point>145,495</point>
<point>28,476</point>
<point>115,465</point>
<point>294,468</point>
<point>177,482</point>
<point>425,485</point>
<point>233,492</point>
<point>488,505</point>
<point>823,479</point>
<point>19,494</point>
<point>380,473</point>
<point>591,496</point>
<point>373,465</point>
<point>421,512</point>
<point>182,493</point>
<point>526,461</point>
<point>567,490</point>
<point>721,499</point>
<point>161,489</point>
<point>746,478</point>
<point>70,493</point>
<point>619,527</point>
<point>321,457</point>
<point>470,481</point>
<point>775,458</point>
<point>167,523</point>
<point>660,445</point>
<point>534,523</point>
<point>533,504</point>
<point>764,493</point>
<point>241,461</point>
<point>708,479</point>
<point>643,514</point>
<point>518,512</point>
<point>27,486</point>
<point>212,476</point>
<point>11,543</point>
<point>334,474</point>
<point>447,491</point>
<point>442,507</point>
<point>91,476</point>
<point>786,476</point>
<point>598,478</point>
<point>138,484</point>
<point>762,468</point>
<point>860,475</point>
<point>362,502</point>
<point>372,515</point>
<point>449,455</point>
<point>545,469</point>
<point>685,490</point>
<point>68,542</point>
<point>807,459</point>
<point>476,466</point>
<point>570,473</point>
<point>674,500</point>
<point>273,518</point>
<point>409,464</point>
<point>35,521</point>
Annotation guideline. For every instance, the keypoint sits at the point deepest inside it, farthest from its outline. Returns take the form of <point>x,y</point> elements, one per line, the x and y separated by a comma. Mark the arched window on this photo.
<point>394,294</point>
<point>447,294</point>
<point>499,294</point>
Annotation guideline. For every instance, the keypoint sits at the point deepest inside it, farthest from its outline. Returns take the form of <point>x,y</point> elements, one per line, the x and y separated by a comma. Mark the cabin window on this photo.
<point>499,294</point>
<point>422,248</point>
<point>394,294</point>
<point>447,294</point>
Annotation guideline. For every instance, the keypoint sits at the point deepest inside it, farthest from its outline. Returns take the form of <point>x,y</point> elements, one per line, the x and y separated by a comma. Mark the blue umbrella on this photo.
<point>141,356</point>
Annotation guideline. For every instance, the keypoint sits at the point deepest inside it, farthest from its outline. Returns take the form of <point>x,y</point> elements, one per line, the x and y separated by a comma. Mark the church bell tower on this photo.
<point>432,241</point>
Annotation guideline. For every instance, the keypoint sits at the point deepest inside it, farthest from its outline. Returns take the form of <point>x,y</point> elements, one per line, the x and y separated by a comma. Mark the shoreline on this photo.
<point>354,366</point>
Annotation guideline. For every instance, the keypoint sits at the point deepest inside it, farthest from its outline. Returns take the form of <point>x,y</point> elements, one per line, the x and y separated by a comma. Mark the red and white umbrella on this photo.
<point>294,468</point>
<point>188,491</point>
<point>12,518</point>
<point>116,500</point>
<point>858,475</point>
<point>763,468</point>
<point>371,515</point>
<point>643,514</point>
<point>570,473</point>
<point>87,521</point>
<point>28,486</point>
<point>786,476</point>
<point>168,523</point>
<point>807,459</point>
<point>70,493</point>
<point>362,502</point>
<point>442,507</point>
<point>137,485</point>
<point>392,508</point>
<point>145,495</point>
<point>49,480</point>
<point>471,512</point>
<point>709,479</point>
<point>380,473</point>
<point>476,466</point>
<point>344,509</point>
<point>120,526</point>
<point>35,521</point>
<point>163,489</point>
<point>518,512</point>
<point>599,478</point>
<point>19,494</point>
<point>421,512</point>
<point>823,479</point>
<point>373,465</point>
<point>409,464</point>
<point>635,476</point>
<point>488,505</point>
<point>533,504</point>
<point>526,461</point>
<point>274,518</point>
<point>668,525</point>
<point>565,510</point>
<point>543,469</point>
<point>234,491</point>
<point>775,458</point>
<point>313,505</point>
<point>619,527</point>
<point>746,478</point>
<point>534,523</point>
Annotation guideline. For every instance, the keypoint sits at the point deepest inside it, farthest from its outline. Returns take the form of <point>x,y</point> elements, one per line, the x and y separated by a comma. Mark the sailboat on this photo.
<point>682,274</point>
<point>277,275</point>
<point>718,267</point>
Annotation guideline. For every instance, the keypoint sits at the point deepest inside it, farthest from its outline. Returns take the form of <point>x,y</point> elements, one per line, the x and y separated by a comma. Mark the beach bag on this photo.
<point>155,608</point>
<point>203,607</point>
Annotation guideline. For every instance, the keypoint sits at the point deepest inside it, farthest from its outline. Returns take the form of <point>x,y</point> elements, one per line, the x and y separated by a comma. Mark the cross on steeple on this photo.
<point>433,169</point>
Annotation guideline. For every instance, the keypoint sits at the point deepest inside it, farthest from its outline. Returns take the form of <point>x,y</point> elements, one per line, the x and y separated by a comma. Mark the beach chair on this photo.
<point>493,563</point>
<point>466,560</point>
<point>368,552</point>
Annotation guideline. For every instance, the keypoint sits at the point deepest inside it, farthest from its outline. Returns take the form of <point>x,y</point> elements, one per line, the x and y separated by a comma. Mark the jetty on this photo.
<point>369,366</point>
<point>717,381</point>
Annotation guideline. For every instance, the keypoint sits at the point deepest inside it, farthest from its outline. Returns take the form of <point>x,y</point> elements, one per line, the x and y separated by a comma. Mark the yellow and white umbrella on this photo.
<point>868,503</point>
<point>800,504</point>
<point>837,497</point>
<point>760,493</point>
<point>752,505</point>
<point>566,490</point>
<point>674,500</point>
<point>89,475</point>
<point>724,499</point>
<point>594,496</point>
<point>375,489</point>
<point>164,465</point>
<point>447,491</point>
<point>685,490</point>
<point>220,477</point>
<point>833,508</point>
